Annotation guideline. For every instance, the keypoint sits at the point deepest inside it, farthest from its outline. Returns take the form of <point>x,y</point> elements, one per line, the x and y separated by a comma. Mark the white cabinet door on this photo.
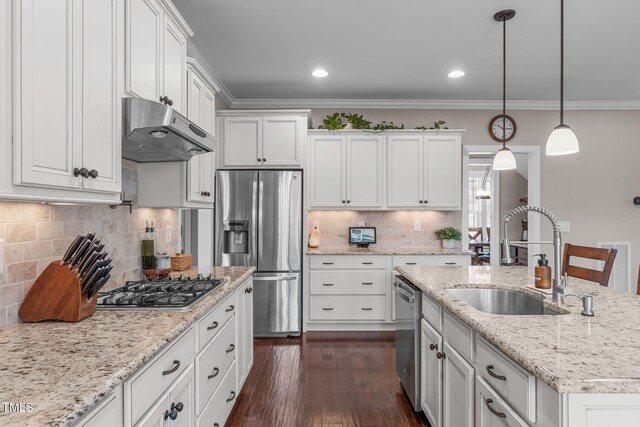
<point>174,58</point>
<point>492,411</point>
<point>101,108</point>
<point>207,175</point>
<point>431,374</point>
<point>155,417</point>
<point>442,169</point>
<point>281,141</point>
<point>182,401</point>
<point>327,172</point>
<point>457,390</point>
<point>404,165</point>
<point>242,141</point>
<point>144,48</point>
<point>245,331</point>
<point>49,110</point>
<point>364,171</point>
<point>209,112</point>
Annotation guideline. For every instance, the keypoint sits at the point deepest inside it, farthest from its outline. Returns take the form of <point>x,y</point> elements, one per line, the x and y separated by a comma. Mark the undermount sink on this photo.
<point>500,301</point>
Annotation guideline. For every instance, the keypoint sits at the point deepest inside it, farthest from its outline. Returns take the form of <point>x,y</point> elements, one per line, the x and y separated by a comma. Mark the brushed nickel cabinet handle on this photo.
<point>176,365</point>
<point>214,374</point>
<point>231,348</point>
<point>367,308</point>
<point>327,308</point>
<point>213,326</point>
<point>231,308</point>
<point>327,284</point>
<point>367,283</point>
<point>232,396</point>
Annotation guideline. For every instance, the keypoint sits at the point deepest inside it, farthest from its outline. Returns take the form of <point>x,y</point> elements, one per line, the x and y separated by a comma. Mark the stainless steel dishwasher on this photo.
<point>408,305</point>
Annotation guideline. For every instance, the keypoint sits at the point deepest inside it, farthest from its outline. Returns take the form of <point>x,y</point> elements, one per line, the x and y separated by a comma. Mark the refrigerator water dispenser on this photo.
<point>236,237</point>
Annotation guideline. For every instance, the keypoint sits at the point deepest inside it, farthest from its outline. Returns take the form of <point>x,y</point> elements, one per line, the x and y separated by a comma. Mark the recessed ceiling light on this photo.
<point>319,73</point>
<point>455,74</point>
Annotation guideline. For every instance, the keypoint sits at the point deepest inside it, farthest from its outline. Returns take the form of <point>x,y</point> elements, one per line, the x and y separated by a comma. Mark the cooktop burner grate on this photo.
<point>179,293</point>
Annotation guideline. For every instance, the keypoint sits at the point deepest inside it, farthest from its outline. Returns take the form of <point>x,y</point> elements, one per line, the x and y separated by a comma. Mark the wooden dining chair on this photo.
<point>475,234</point>
<point>598,276</point>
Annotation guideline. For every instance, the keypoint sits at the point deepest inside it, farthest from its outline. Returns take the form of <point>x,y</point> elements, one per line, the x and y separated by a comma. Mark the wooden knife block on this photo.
<point>56,295</point>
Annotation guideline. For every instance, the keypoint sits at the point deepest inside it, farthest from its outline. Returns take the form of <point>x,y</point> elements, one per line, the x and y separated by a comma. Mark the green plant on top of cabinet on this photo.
<point>346,171</point>
<point>156,46</point>
<point>66,111</point>
<point>261,138</point>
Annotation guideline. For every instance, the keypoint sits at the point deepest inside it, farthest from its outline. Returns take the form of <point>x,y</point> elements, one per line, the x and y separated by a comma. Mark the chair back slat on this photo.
<point>599,254</point>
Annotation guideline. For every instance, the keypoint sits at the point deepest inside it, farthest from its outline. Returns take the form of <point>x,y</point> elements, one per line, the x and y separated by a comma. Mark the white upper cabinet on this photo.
<point>365,171</point>
<point>442,171</point>
<point>326,171</point>
<point>401,170</point>
<point>242,141</point>
<point>157,52</point>
<point>262,138</point>
<point>404,183</point>
<point>67,125</point>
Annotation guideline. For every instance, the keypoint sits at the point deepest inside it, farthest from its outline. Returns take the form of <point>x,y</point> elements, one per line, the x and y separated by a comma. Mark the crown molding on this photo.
<point>428,104</point>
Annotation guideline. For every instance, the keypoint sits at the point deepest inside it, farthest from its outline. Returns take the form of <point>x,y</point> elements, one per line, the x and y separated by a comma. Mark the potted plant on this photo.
<point>449,236</point>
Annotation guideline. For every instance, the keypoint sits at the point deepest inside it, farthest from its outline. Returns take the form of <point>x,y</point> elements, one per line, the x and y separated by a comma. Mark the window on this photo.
<point>479,209</point>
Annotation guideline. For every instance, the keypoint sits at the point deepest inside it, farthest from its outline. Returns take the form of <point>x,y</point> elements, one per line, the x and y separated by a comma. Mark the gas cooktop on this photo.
<point>160,294</point>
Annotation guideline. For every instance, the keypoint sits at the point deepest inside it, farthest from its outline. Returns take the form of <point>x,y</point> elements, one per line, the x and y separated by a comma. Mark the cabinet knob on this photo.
<point>177,406</point>
<point>426,201</point>
<point>344,201</point>
<point>248,290</point>
<point>433,347</point>
<point>83,172</point>
<point>172,415</point>
<point>348,201</point>
<point>165,100</point>
<point>93,173</point>
<point>440,355</point>
<point>264,159</point>
<point>259,159</point>
<point>421,201</point>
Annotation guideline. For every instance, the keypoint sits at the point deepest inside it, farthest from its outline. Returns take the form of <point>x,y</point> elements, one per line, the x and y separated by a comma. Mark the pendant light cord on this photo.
<point>504,83</point>
<point>561,62</point>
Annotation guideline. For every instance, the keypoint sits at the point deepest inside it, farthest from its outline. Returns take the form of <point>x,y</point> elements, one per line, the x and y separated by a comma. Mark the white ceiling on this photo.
<point>264,51</point>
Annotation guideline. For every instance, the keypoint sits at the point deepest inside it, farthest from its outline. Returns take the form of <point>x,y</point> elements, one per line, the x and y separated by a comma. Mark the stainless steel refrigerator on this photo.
<point>258,223</point>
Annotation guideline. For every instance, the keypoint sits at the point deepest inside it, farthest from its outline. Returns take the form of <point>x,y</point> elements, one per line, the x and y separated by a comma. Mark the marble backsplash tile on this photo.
<point>393,228</point>
<point>36,234</point>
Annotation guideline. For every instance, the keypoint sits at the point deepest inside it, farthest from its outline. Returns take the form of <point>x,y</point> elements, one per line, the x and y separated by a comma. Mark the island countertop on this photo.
<point>571,353</point>
<point>65,369</point>
<point>386,250</point>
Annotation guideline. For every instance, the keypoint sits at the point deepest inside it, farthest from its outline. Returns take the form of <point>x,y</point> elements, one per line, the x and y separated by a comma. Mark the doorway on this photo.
<point>488,195</point>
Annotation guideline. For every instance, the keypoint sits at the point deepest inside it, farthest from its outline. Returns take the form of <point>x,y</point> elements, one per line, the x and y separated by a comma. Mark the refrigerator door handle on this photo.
<point>275,278</point>
<point>260,210</point>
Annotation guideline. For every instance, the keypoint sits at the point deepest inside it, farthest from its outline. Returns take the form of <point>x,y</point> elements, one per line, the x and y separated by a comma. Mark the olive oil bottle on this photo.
<point>148,247</point>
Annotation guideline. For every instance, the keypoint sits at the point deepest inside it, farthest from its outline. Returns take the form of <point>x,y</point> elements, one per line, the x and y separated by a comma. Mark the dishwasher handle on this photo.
<point>404,295</point>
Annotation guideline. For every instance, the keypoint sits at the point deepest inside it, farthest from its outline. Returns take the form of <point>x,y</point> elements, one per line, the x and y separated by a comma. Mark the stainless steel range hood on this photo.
<point>154,132</point>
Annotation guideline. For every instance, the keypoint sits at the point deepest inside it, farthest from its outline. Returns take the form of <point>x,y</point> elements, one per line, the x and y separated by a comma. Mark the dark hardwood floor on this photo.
<point>324,379</point>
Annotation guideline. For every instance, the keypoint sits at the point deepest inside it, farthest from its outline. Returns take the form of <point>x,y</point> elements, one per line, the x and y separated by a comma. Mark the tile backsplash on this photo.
<point>36,234</point>
<point>393,228</point>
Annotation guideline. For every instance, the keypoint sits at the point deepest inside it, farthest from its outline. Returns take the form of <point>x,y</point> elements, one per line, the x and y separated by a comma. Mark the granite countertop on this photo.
<point>386,250</point>
<point>64,369</point>
<point>571,353</point>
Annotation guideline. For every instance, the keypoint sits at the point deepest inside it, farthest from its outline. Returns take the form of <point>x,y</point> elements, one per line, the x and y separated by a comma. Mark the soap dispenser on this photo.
<point>543,272</point>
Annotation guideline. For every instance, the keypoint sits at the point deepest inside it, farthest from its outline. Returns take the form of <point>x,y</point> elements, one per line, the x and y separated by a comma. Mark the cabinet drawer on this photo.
<point>347,262</point>
<point>338,307</point>
<point>159,374</point>
<point>459,335</point>
<point>491,410</point>
<point>214,361</point>
<point>347,282</point>
<point>513,384</point>
<point>432,312</point>
<point>212,323</point>
<point>432,260</point>
<point>219,408</point>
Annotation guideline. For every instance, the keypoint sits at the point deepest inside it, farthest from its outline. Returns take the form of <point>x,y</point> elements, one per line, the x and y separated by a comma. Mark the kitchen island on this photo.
<point>589,365</point>
<point>63,370</point>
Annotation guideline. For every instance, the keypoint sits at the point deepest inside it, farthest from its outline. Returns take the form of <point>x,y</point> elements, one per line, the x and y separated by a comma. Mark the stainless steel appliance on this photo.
<point>408,305</point>
<point>154,132</point>
<point>168,294</point>
<point>259,223</point>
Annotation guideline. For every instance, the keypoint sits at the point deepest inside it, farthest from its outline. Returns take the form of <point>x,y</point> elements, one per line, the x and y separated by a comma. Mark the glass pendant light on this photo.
<point>504,159</point>
<point>562,140</point>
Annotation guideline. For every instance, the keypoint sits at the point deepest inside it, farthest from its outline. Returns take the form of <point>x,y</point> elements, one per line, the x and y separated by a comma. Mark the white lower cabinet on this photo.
<point>245,331</point>
<point>492,411</point>
<point>197,377</point>
<point>431,374</point>
<point>457,389</point>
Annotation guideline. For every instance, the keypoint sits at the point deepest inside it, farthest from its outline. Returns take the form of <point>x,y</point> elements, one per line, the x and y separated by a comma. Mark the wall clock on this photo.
<point>497,123</point>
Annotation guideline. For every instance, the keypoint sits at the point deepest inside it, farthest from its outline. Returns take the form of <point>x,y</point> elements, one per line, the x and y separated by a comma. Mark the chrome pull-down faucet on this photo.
<point>558,285</point>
